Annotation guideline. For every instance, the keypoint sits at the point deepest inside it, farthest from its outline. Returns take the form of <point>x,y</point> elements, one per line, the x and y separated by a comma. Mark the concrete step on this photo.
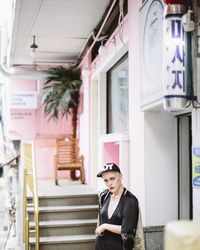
<point>66,227</point>
<point>68,216</point>
<point>70,242</point>
<point>66,212</point>
<point>66,200</point>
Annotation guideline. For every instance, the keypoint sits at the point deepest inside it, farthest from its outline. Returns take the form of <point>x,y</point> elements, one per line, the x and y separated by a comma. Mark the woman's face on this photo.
<point>113,181</point>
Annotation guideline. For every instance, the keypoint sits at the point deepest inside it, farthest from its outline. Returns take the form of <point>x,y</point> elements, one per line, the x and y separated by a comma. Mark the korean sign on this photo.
<point>175,58</point>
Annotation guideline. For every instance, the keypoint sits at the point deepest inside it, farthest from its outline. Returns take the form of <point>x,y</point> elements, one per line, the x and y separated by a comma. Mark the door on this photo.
<point>184,167</point>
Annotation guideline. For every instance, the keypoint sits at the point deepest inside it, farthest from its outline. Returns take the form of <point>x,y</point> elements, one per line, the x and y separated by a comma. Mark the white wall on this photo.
<point>153,162</point>
<point>196,142</point>
<point>136,117</point>
<point>84,128</point>
<point>98,68</point>
<point>160,161</point>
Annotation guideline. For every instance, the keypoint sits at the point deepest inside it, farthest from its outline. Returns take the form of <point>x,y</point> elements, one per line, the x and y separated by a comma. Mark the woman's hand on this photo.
<point>109,227</point>
<point>99,230</point>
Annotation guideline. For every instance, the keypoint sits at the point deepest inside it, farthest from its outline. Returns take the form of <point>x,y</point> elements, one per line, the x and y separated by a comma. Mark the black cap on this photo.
<point>109,167</point>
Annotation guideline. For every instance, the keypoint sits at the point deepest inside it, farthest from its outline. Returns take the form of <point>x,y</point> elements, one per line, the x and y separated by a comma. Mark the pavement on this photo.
<point>7,240</point>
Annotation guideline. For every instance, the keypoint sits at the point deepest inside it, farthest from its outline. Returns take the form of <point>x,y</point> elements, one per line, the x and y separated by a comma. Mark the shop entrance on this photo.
<point>184,167</point>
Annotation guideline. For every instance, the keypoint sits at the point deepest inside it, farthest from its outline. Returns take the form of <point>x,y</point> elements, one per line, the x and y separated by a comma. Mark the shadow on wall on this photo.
<point>1,171</point>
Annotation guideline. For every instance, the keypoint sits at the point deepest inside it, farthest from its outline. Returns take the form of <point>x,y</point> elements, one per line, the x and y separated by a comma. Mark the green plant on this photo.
<point>61,94</point>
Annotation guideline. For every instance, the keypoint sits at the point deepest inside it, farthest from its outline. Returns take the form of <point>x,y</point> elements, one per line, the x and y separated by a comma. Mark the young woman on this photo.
<point>118,213</point>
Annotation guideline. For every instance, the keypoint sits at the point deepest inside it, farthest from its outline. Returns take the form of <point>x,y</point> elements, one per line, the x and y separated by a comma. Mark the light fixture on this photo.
<point>103,48</point>
<point>187,22</point>
<point>85,72</point>
<point>33,47</point>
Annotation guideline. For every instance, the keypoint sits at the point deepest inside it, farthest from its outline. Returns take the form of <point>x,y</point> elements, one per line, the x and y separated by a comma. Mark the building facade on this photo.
<point>122,118</point>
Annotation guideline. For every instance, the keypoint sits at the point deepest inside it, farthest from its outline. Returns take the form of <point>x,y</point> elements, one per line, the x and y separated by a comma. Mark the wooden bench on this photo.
<point>67,157</point>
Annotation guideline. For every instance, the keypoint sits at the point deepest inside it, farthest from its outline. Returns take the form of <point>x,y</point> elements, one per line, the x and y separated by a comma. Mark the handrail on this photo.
<point>30,182</point>
<point>10,161</point>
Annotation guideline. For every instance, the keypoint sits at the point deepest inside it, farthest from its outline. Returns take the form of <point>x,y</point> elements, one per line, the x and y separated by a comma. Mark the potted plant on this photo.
<point>61,93</point>
<point>60,97</point>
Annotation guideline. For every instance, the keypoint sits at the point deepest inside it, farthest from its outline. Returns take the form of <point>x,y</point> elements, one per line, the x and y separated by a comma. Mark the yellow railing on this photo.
<point>30,183</point>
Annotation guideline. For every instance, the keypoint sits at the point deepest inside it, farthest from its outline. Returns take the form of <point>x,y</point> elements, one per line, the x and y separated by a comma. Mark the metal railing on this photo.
<point>10,195</point>
<point>30,183</point>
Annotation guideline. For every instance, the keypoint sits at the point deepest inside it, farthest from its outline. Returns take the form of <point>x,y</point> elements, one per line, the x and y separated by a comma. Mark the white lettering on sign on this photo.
<point>23,100</point>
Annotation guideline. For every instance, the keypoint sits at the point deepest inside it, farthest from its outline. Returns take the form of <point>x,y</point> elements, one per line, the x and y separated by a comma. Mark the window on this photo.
<point>118,97</point>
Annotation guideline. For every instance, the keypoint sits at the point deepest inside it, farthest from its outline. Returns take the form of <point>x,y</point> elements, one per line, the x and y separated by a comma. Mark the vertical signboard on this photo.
<point>175,60</point>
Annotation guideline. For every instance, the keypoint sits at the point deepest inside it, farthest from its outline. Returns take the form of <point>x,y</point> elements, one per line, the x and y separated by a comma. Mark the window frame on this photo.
<point>108,86</point>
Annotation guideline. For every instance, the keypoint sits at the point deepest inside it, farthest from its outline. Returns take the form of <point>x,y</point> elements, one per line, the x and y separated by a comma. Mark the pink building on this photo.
<point>121,114</point>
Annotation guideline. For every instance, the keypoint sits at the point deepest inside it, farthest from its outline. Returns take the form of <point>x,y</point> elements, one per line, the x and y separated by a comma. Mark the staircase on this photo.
<point>67,221</point>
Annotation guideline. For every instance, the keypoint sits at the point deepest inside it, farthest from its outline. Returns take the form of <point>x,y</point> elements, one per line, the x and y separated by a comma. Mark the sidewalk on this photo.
<point>11,241</point>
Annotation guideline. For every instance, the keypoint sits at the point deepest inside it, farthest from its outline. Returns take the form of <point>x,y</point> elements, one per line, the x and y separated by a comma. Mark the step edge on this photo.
<point>66,223</point>
<point>57,196</point>
<point>64,239</point>
<point>65,208</point>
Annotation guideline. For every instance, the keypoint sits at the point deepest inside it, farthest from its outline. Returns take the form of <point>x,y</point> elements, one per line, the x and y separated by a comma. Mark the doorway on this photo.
<point>184,167</point>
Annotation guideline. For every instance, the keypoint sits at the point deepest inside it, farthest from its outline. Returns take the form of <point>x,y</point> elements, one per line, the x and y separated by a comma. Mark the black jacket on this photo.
<point>129,211</point>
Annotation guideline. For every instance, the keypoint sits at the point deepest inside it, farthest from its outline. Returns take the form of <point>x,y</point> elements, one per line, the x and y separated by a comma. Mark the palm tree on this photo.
<point>61,94</point>
<point>60,98</point>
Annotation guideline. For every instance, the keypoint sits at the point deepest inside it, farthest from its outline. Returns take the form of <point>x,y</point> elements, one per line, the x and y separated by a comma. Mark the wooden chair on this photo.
<point>67,157</point>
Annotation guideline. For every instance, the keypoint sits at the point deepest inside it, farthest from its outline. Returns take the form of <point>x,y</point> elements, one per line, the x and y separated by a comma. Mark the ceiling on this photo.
<point>61,29</point>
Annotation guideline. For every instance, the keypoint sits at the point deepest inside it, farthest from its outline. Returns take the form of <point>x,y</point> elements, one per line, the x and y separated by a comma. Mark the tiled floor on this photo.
<point>65,187</point>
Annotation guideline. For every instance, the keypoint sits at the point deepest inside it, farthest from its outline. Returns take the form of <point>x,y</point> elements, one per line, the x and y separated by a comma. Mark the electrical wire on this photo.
<point>100,38</point>
<point>98,34</point>
<point>121,20</point>
<point>193,100</point>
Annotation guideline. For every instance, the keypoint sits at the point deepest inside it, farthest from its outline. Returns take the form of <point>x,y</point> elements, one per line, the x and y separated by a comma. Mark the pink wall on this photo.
<point>85,116</point>
<point>21,122</point>
<point>111,153</point>
<point>45,132</point>
<point>110,150</point>
<point>44,126</point>
<point>40,124</point>
<point>131,33</point>
<point>32,125</point>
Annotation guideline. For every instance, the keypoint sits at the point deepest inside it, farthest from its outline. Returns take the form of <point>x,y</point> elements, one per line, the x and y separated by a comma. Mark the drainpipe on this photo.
<point>15,71</point>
